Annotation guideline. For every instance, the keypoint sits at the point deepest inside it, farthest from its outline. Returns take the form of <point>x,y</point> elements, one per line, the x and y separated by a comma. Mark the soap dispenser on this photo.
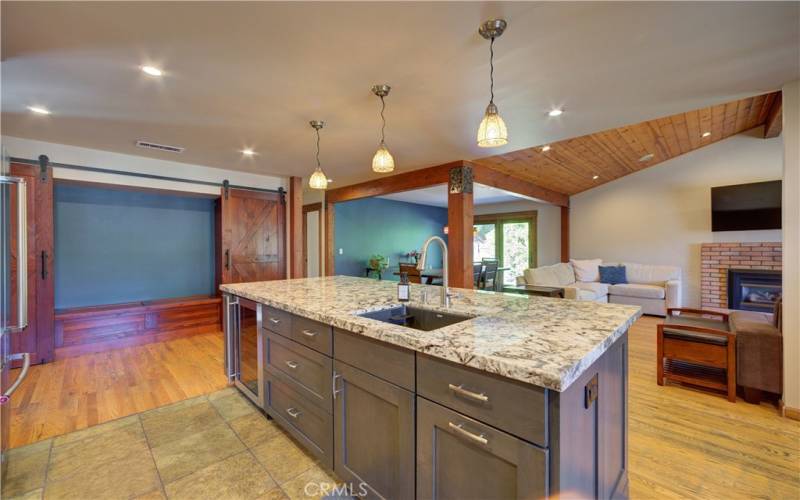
<point>403,289</point>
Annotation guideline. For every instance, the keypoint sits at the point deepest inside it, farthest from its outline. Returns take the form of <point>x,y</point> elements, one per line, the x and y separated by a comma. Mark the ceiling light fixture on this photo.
<point>706,134</point>
<point>555,112</point>
<point>318,179</point>
<point>492,131</point>
<point>248,152</point>
<point>595,177</point>
<point>152,70</point>
<point>545,149</point>
<point>39,110</point>
<point>647,157</point>
<point>383,161</point>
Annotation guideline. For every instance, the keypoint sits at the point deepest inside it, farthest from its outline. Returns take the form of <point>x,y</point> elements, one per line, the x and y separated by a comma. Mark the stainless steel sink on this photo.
<point>415,317</point>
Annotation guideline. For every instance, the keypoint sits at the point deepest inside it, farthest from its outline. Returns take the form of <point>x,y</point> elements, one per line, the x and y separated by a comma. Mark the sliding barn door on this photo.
<point>253,242</point>
<point>38,338</point>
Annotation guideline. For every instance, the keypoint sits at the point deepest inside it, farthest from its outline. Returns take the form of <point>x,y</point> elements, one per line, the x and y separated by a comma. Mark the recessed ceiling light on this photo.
<point>647,157</point>
<point>152,70</point>
<point>545,149</point>
<point>595,177</point>
<point>706,134</point>
<point>555,112</point>
<point>330,180</point>
<point>39,110</point>
<point>248,152</point>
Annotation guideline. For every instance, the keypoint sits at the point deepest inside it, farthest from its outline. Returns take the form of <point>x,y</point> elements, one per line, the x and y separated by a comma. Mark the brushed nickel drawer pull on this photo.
<point>335,390</point>
<point>274,321</point>
<point>293,412</point>
<point>459,428</point>
<point>477,396</point>
<point>292,364</point>
<point>309,333</point>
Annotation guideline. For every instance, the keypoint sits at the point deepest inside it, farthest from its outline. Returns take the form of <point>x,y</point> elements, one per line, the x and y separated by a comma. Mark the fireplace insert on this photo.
<point>753,289</point>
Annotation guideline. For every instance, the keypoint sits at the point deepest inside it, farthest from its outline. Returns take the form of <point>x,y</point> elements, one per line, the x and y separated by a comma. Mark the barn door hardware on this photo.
<point>226,187</point>
<point>228,259</point>
<point>282,193</point>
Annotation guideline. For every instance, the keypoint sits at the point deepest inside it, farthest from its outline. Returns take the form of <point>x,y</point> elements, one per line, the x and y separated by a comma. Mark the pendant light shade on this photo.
<point>318,179</point>
<point>492,131</point>
<point>383,161</point>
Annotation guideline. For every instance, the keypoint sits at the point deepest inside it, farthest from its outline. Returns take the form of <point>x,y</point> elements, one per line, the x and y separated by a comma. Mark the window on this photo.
<point>510,238</point>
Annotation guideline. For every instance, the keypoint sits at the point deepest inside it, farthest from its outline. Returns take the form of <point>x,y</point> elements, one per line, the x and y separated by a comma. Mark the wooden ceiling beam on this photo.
<point>774,121</point>
<point>496,179</point>
<point>405,181</point>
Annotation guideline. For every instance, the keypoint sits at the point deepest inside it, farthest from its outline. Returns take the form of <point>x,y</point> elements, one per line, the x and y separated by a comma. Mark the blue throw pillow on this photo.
<point>613,275</point>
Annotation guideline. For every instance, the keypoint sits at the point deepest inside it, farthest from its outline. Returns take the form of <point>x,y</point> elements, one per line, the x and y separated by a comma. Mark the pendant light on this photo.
<point>318,179</point>
<point>383,161</point>
<point>492,131</point>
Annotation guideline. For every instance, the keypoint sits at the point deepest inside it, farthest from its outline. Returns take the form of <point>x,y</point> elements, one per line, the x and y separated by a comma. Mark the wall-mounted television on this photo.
<point>745,207</point>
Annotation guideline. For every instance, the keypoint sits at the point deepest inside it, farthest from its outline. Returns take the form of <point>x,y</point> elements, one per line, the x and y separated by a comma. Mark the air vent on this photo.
<point>159,147</point>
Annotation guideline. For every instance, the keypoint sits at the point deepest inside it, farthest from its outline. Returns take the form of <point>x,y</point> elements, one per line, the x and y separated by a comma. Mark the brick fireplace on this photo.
<point>718,258</point>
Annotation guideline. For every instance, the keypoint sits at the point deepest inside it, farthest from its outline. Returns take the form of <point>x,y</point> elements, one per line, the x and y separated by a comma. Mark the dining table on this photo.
<point>429,275</point>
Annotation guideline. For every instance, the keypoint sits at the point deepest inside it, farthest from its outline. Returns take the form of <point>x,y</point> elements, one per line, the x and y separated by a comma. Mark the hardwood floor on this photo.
<point>82,391</point>
<point>684,443</point>
<point>688,443</point>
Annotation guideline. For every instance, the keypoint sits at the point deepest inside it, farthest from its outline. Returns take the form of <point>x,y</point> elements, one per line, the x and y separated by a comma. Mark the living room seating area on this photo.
<point>655,288</point>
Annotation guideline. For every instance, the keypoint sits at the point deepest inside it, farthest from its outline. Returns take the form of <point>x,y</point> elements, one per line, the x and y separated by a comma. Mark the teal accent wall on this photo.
<point>387,227</point>
<point>114,246</point>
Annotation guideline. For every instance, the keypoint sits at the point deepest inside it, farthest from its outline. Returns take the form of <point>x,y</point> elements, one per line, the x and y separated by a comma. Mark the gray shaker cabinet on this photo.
<point>460,458</point>
<point>373,434</point>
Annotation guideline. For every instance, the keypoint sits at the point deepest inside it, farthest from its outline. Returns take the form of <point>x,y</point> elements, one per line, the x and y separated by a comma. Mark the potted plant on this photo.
<point>377,263</point>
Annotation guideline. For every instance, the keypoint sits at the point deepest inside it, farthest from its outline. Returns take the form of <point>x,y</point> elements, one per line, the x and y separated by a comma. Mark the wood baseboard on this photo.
<point>101,328</point>
<point>789,412</point>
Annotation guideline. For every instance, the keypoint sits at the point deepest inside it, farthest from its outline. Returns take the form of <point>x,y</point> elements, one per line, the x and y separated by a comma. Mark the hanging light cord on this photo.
<point>318,165</point>
<point>383,119</point>
<point>491,70</point>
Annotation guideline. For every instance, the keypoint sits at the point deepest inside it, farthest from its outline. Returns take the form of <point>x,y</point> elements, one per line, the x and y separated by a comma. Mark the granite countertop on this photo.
<point>538,340</point>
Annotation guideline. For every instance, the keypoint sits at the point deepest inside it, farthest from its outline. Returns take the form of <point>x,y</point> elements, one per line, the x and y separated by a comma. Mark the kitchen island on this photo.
<point>514,397</point>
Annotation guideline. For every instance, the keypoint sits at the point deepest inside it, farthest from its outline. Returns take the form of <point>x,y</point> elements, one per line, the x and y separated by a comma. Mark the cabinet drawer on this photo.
<point>506,404</point>
<point>309,424</point>
<point>308,371</point>
<point>313,334</point>
<point>277,321</point>
<point>383,360</point>
<point>458,457</point>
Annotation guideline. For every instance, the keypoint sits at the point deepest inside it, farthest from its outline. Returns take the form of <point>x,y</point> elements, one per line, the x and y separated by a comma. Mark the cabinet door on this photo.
<point>458,458</point>
<point>374,434</point>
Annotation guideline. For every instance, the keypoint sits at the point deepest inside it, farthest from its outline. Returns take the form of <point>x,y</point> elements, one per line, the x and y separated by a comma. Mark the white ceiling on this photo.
<point>251,74</point>
<point>436,196</point>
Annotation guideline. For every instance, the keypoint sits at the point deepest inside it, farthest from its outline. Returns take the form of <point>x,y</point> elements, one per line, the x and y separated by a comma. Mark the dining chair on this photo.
<point>489,281</point>
<point>412,271</point>
<point>477,274</point>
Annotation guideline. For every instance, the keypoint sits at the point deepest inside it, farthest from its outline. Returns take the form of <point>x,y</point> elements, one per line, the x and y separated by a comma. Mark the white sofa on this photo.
<point>653,288</point>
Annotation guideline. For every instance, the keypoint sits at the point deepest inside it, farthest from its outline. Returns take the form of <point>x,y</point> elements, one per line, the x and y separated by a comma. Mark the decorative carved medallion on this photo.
<point>460,180</point>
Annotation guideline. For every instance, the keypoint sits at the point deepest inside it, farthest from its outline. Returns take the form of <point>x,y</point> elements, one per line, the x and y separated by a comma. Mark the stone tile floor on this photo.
<point>216,446</point>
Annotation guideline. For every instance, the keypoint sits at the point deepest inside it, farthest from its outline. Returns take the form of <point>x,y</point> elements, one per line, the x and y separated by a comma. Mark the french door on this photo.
<point>508,238</point>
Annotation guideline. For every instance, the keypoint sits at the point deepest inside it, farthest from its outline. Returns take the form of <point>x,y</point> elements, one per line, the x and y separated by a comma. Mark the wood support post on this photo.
<point>296,243</point>
<point>330,214</point>
<point>460,217</point>
<point>564,234</point>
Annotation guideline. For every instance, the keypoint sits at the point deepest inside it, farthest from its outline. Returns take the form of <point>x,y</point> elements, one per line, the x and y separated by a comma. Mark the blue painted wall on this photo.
<point>387,227</point>
<point>114,246</point>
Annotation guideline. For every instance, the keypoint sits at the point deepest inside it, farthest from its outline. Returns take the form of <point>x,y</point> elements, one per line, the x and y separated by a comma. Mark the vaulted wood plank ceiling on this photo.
<point>570,166</point>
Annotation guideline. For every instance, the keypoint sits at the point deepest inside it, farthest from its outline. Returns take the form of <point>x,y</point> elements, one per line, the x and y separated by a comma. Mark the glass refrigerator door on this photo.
<point>248,375</point>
